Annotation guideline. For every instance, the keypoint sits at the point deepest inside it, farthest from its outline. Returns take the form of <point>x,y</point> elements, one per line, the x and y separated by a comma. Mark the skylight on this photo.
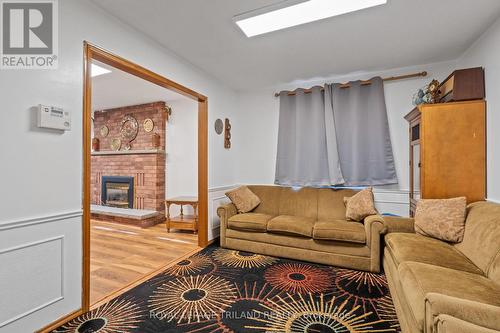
<point>98,70</point>
<point>262,21</point>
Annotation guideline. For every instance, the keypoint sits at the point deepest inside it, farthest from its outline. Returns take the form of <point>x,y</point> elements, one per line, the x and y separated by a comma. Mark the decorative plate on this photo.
<point>116,144</point>
<point>149,125</point>
<point>219,126</point>
<point>104,131</point>
<point>129,128</point>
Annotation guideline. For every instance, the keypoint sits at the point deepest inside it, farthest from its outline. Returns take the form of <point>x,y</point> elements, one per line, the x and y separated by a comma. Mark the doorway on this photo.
<point>121,187</point>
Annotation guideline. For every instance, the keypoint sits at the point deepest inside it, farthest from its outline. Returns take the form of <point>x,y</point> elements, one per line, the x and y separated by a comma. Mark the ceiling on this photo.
<point>401,33</point>
<point>118,88</point>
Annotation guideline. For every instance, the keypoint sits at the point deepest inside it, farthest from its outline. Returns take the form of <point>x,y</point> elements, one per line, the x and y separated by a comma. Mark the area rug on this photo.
<point>220,290</point>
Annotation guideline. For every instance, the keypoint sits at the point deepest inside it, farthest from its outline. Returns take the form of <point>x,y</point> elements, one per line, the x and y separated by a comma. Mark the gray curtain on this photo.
<point>362,133</point>
<point>303,158</point>
<point>339,136</point>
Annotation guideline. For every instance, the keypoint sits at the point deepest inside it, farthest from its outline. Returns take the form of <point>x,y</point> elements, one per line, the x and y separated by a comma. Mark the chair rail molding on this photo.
<point>20,223</point>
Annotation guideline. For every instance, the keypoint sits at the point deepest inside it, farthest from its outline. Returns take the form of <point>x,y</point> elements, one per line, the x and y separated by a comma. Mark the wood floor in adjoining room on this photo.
<point>122,254</point>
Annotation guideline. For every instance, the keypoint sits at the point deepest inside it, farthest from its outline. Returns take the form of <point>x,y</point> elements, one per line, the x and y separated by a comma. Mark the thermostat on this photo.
<point>54,118</point>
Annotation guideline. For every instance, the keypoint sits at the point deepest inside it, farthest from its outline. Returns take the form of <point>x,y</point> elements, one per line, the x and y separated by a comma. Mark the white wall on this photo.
<point>182,162</point>
<point>258,111</point>
<point>256,141</point>
<point>485,52</point>
<point>40,197</point>
<point>182,151</point>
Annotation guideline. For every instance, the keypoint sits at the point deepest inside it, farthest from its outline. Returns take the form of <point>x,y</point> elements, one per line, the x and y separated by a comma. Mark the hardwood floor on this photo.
<point>121,254</point>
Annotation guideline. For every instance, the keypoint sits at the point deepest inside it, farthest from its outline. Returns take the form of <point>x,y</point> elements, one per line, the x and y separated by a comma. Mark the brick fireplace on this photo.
<point>133,178</point>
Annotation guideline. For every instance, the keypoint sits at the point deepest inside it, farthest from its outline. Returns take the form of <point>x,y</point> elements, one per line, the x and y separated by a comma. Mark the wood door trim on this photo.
<point>92,52</point>
<point>99,54</point>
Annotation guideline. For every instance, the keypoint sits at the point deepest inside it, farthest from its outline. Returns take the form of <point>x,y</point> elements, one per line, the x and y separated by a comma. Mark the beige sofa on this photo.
<point>307,224</point>
<point>446,288</point>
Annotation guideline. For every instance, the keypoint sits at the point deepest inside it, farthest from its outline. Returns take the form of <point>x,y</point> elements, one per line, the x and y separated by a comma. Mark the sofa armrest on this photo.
<point>478,314</point>
<point>399,224</point>
<point>374,227</point>
<point>449,324</point>
<point>225,212</point>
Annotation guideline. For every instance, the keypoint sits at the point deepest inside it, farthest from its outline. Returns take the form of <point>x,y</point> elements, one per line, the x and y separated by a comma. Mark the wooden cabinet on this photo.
<point>447,151</point>
<point>463,85</point>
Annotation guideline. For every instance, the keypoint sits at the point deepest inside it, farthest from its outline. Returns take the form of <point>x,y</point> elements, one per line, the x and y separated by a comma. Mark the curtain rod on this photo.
<point>365,82</point>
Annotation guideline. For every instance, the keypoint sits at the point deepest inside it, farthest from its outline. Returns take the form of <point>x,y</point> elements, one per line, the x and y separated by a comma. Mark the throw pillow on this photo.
<point>244,199</point>
<point>443,219</point>
<point>360,205</point>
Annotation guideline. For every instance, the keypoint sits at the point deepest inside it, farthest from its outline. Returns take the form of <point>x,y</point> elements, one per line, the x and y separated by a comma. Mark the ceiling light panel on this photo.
<point>98,70</point>
<point>298,13</point>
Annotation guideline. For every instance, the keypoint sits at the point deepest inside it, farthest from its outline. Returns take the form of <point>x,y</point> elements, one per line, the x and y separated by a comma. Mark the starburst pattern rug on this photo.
<point>224,291</point>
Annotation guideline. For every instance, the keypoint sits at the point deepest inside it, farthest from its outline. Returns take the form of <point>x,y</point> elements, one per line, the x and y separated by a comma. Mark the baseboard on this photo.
<point>493,200</point>
<point>60,321</point>
<point>215,240</point>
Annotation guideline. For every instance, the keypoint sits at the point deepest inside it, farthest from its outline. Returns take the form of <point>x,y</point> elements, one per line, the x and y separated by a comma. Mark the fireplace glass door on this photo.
<point>118,191</point>
<point>117,194</point>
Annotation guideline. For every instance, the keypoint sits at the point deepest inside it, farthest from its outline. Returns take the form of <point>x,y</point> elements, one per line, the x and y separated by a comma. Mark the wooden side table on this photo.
<point>182,222</point>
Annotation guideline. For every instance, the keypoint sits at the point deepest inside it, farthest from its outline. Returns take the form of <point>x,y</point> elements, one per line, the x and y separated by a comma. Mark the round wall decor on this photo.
<point>149,125</point>
<point>104,131</point>
<point>129,128</point>
<point>219,126</point>
<point>116,144</point>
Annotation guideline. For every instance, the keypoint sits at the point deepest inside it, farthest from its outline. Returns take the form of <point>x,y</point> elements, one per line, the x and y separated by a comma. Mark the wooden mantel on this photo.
<point>128,152</point>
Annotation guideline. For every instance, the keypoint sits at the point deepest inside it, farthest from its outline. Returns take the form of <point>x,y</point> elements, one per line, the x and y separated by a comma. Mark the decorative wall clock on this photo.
<point>219,126</point>
<point>104,131</point>
<point>116,144</point>
<point>149,125</point>
<point>129,128</point>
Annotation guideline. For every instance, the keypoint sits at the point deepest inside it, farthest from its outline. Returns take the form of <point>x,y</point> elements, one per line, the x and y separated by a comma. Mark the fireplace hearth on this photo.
<point>117,191</point>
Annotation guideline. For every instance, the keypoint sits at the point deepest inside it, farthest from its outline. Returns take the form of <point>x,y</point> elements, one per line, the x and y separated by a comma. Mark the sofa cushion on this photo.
<point>481,239</point>
<point>418,279</point>
<point>269,198</point>
<point>360,205</point>
<point>340,230</point>
<point>331,203</point>
<point>249,221</point>
<point>243,198</point>
<point>303,202</point>
<point>295,225</point>
<point>443,219</point>
<point>414,247</point>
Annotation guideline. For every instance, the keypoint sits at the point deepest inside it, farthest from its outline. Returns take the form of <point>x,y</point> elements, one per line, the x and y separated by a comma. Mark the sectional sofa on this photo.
<point>437,287</point>
<point>442,287</point>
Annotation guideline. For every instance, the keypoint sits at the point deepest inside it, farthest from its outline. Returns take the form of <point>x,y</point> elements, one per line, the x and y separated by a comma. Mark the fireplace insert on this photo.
<point>117,191</point>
